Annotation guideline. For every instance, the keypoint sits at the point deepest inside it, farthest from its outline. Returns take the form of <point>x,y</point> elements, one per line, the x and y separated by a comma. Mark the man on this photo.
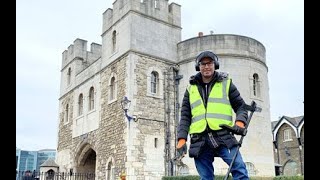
<point>123,176</point>
<point>206,114</point>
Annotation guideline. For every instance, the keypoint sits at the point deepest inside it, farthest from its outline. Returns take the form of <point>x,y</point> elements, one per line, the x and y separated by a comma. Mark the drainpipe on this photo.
<point>300,155</point>
<point>167,124</point>
<point>300,149</point>
<point>168,81</point>
<point>276,148</point>
<point>176,78</point>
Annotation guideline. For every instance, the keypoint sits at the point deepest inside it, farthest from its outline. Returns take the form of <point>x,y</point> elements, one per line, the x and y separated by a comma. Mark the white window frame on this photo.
<point>287,135</point>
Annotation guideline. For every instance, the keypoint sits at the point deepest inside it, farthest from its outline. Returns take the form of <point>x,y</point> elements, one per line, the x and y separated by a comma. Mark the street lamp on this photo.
<point>125,104</point>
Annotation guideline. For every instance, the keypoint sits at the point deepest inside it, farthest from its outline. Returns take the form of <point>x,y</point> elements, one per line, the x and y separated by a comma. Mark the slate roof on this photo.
<point>295,121</point>
<point>49,163</point>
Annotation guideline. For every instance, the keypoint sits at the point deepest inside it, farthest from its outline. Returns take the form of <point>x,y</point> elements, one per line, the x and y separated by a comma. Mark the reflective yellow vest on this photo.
<point>219,110</point>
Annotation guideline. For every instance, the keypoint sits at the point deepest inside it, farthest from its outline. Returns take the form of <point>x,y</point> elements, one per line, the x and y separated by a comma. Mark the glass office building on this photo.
<point>43,155</point>
<point>31,160</point>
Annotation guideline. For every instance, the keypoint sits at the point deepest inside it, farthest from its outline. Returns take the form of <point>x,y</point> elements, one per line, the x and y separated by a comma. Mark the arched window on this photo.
<point>80,104</point>
<point>50,174</point>
<point>110,172</point>
<point>109,169</point>
<point>66,117</point>
<point>69,76</point>
<point>112,88</point>
<point>114,41</point>
<point>91,99</point>
<point>154,82</point>
<point>256,85</point>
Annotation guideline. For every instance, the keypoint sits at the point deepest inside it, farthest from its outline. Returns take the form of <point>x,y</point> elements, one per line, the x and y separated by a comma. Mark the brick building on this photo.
<point>288,140</point>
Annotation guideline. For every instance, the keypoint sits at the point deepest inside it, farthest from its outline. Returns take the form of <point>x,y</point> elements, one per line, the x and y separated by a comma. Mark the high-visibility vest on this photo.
<point>219,110</point>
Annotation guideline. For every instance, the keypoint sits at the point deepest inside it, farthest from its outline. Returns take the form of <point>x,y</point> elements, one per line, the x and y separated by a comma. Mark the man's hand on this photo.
<point>182,147</point>
<point>240,124</point>
<point>236,129</point>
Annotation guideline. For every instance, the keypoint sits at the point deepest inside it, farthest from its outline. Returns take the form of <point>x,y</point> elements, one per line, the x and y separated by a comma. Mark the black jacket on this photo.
<point>236,102</point>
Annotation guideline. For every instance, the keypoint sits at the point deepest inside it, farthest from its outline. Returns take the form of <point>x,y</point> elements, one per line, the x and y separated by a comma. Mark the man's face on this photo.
<point>207,67</point>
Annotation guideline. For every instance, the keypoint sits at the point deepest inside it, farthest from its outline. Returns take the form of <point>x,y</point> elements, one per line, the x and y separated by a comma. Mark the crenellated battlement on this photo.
<point>158,9</point>
<point>78,51</point>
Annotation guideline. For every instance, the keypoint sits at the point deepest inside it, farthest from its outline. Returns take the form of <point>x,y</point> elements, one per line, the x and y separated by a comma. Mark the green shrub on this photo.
<point>220,177</point>
<point>288,178</point>
<point>194,177</point>
<point>181,178</point>
<point>261,178</point>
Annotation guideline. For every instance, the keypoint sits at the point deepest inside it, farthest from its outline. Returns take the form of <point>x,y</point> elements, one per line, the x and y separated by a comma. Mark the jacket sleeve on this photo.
<point>185,119</point>
<point>238,104</point>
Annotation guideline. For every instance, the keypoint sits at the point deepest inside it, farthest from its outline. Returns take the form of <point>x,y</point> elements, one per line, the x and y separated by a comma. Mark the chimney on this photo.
<point>200,34</point>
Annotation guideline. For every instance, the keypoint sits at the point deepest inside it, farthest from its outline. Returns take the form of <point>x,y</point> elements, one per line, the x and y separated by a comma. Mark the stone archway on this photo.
<point>290,168</point>
<point>86,160</point>
<point>50,174</point>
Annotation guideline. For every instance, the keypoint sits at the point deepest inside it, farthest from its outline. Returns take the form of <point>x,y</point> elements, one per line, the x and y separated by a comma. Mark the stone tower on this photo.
<point>244,59</point>
<point>136,60</point>
<point>143,58</point>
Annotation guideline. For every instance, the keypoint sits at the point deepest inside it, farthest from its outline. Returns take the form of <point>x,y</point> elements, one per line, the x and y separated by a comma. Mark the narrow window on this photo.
<point>112,88</point>
<point>287,135</point>
<point>69,76</point>
<point>91,99</point>
<point>256,85</point>
<point>66,113</point>
<point>114,41</point>
<point>155,142</point>
<point>154,82</point>
<point>110,171</point>
<point>156,4</point>
<point>80,104</point>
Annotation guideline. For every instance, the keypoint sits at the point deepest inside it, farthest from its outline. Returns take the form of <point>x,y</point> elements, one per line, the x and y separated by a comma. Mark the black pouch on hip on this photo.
<point>196,143</point>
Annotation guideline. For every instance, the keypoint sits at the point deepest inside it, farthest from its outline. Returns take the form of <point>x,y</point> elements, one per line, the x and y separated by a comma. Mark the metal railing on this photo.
<point>29,175</point>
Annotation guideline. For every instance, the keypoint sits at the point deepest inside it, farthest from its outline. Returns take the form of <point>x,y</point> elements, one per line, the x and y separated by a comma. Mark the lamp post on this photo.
<point>125,104</point>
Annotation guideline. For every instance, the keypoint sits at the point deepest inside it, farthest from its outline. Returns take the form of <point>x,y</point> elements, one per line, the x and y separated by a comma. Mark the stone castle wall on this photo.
<point>143,148</point>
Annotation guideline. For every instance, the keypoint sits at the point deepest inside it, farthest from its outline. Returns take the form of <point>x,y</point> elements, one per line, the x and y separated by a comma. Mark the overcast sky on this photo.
<point>46,28</point>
